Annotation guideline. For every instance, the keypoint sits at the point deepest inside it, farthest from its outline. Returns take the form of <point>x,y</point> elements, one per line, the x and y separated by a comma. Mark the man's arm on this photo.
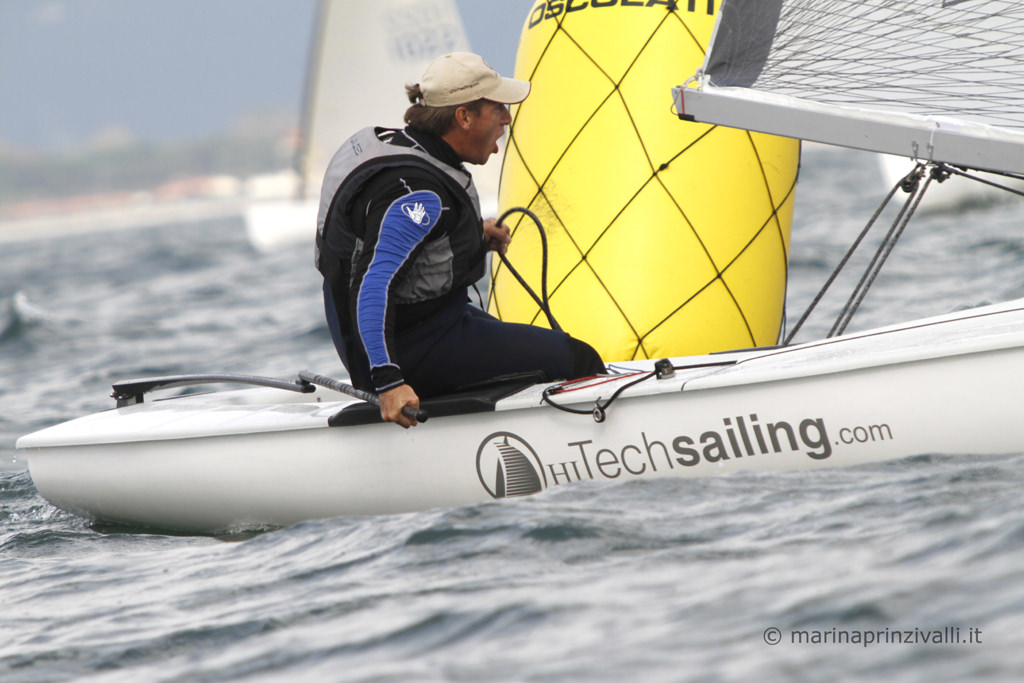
<point>406,223</point>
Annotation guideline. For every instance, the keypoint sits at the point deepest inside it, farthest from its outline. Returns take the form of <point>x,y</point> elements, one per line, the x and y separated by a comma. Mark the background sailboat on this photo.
<point>361,55</point>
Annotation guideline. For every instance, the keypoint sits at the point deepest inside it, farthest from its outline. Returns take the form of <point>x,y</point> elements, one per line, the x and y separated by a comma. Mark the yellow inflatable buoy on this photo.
<point>666,238</point>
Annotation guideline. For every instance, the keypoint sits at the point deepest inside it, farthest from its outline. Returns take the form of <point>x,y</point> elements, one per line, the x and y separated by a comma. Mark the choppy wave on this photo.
<point>20,316</point>
<point>665,580</point>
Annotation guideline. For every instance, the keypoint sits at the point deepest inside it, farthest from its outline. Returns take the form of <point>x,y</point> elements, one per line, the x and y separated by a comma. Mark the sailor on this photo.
<point>400,239</point>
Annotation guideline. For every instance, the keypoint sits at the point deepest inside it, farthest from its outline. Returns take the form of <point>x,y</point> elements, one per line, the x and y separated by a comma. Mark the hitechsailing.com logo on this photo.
<point>509,466</point>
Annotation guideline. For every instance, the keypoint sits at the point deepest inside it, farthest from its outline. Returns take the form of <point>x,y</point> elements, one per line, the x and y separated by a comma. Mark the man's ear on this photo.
<point>462,117</point>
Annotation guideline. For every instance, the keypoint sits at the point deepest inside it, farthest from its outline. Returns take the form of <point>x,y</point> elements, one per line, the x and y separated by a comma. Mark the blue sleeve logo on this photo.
<point>417,213</point>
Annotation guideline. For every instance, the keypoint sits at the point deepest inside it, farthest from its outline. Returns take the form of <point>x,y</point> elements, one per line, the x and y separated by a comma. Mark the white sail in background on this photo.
<point>936,80</point>
<point>362,55</point>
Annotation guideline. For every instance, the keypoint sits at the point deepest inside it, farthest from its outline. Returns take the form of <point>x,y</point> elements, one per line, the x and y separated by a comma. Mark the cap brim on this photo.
<point>511,91</point>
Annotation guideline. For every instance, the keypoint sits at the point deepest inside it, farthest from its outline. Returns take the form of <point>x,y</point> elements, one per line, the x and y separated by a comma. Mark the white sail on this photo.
<point>362,55</point>
<point>928,79</point>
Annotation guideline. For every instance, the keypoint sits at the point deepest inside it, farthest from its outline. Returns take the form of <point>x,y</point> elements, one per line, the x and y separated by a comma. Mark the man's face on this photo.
<point>486,128</point>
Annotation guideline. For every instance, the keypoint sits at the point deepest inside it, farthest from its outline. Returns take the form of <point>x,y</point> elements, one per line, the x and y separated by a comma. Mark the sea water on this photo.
<point>903,571</point>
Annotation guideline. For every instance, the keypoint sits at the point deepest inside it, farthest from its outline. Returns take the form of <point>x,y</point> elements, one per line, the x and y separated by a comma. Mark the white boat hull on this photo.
<point>273,224</point>
<point>265,457</point>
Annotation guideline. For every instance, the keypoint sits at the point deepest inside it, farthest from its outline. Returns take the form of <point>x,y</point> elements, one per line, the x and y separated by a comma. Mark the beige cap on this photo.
<point>462,77</point>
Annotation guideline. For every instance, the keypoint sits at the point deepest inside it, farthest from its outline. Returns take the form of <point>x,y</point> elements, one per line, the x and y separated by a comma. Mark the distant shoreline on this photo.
<point>123,217</point>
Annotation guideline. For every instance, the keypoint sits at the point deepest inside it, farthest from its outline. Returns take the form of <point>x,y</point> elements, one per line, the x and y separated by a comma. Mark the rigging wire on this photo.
<point>911,184</point>
<point>985,181</point>
<point>842,262</point>
<point>888,243</point>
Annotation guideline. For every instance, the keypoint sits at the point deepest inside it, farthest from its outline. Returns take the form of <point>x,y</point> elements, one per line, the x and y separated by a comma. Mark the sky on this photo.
<point>75,70</point>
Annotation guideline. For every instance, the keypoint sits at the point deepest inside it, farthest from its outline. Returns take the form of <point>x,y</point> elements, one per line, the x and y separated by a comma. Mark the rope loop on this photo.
<point>542,300</point>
